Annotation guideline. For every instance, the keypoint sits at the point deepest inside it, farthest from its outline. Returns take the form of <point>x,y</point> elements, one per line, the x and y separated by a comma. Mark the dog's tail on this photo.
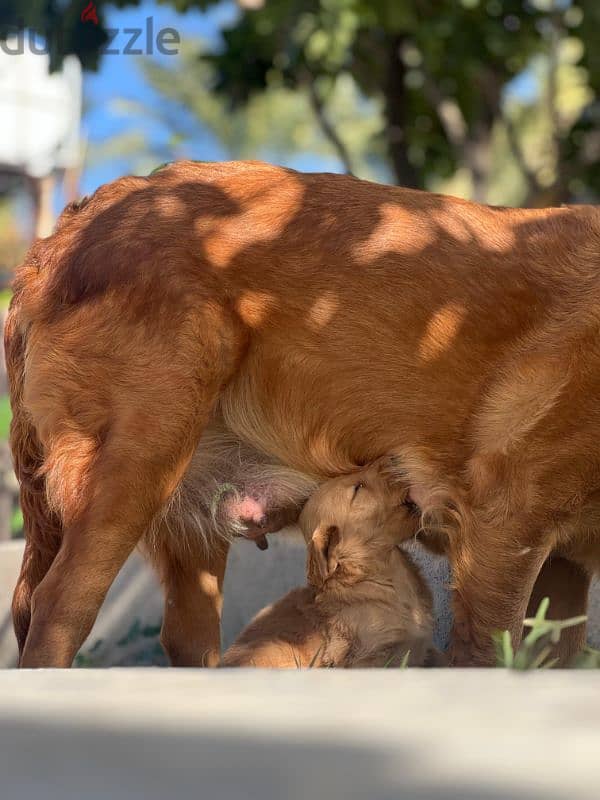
<point>42,528</point>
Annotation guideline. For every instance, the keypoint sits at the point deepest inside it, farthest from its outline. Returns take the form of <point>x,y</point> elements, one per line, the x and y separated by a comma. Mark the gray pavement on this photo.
<point>321,735</point>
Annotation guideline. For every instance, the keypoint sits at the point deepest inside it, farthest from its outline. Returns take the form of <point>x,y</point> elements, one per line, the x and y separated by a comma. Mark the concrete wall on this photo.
<point>127,628</point>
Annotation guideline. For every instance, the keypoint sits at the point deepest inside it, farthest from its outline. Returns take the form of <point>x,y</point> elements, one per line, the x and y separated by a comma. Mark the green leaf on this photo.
<point>313,660</point>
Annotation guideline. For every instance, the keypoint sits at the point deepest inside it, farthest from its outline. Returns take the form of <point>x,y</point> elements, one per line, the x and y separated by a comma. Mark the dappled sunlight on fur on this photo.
<point>441,331</point>
<point>322,322</point>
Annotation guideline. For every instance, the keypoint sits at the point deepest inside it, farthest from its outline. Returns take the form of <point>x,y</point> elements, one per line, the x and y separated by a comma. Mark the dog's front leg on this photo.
<point>494,571</point>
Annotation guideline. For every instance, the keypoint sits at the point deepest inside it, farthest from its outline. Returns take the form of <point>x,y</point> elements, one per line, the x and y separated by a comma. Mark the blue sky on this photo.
<point>119,76</point>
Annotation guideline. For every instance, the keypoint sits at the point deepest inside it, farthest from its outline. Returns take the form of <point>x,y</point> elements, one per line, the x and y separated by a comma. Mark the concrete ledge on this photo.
<point>322,734</point>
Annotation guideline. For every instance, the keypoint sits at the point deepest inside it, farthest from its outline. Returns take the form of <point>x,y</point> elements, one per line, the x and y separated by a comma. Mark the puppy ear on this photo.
<point>322,561</point>
<point>390,470</point>
<point>387,466</point>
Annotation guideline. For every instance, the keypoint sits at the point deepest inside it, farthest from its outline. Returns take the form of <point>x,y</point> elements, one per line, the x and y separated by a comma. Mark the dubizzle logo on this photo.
<point>89,13</point>
<point>164,41</point>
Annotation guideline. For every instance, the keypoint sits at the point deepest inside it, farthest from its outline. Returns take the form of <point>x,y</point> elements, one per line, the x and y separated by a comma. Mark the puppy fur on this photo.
<point>366,604</point>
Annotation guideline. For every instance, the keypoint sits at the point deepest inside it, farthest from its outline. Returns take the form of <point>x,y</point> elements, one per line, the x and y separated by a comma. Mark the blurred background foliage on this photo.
<point>497,101</point>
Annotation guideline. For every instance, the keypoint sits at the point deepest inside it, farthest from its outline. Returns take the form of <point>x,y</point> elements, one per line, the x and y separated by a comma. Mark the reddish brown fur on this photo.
<point>41,526</point>
<point>320,321</point>
<point>366,605</point>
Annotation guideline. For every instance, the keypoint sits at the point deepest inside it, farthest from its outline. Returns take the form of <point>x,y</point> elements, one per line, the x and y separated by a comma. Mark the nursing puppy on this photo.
<point>366,604</point>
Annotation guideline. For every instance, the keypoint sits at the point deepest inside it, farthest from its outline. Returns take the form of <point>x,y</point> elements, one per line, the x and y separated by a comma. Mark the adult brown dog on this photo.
<point>318,321</point>
<point>366,604</point>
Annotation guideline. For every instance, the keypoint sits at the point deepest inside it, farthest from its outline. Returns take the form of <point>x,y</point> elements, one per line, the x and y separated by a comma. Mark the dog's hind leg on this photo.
<point>226,483</point>
<point>111,466</point>
<point>191,628</point>
<point>126,487</point>
<point>37,560</point>
<point>566,584</point>
<point>42,527</point>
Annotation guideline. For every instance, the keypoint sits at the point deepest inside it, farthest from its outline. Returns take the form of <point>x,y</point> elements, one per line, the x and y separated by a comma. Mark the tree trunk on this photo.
<point>396,105</point>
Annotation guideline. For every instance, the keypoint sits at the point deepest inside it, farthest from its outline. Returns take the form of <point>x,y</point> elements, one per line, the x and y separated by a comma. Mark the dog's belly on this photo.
<point>231,489</point>
<point>323,407</point>
<point>300,412</point>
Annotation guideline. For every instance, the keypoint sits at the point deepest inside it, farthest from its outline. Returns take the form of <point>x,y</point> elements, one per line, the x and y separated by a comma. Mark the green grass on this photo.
<point>5,296</point>
<point>16,520</point>
<point>16,524</point>
<point>5,416</point>
<point>535,651</point>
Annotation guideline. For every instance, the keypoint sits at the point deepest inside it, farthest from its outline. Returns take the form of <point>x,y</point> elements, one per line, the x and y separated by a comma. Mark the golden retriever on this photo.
<point>191,352</point>
<point>366,604</point>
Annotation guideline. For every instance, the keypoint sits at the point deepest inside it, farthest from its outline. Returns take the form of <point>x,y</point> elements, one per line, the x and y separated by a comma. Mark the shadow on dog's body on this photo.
<point>319,321</point>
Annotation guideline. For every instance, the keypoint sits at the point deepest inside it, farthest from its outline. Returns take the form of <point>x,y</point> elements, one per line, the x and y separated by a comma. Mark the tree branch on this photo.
<point>533,185</point>
<point>559,191</point>
<point>471,146</point>
<point>449,114</point>
<point>327,127</point>
<point>552,91</point>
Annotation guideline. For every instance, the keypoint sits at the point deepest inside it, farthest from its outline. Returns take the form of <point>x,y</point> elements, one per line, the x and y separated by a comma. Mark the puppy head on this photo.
<point>350,523</point>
